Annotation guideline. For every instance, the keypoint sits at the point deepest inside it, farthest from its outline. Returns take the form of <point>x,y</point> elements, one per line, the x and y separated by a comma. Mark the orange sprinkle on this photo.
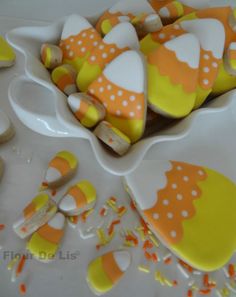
<point>148,256</point>
<point>132,205</point>
<point>121,209</point>
<point>145,226</point>
<point>211,285</point>
<point>22,288</point>
<point>98,246</point>
<point>206,280</point>
<point>102,212</point>
<point>74,219</point>
<point>2,227</point>
<point>110,140</point>
<point>204,291</point>
<point>175,283</point>
<point>111,227</point>
<point>132,238</point>
<point>54,192</point>
<point>113,199</point>
<point>23,229</point>
<point>44,184</point>
<point>84,216</point>
<point>147,245</point>
<point>231,270</point>
<point>190,293</point>
<point>154,258</point>
<point>186,266</point>
<point>168,261</point>
<point>21,265</point>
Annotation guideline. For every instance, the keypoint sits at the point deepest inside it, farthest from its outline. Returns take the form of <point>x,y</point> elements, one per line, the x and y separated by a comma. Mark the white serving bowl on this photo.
<point>42,107</point>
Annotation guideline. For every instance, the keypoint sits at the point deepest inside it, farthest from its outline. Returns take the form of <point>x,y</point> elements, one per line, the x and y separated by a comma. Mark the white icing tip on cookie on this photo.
<point>57,222</point>
<point>68,203</point>
<point>123,260</point>
<point>52,175</point>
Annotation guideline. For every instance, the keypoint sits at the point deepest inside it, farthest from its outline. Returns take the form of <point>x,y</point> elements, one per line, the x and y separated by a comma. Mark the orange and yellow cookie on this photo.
<point>190,208</point>
<point>107,270</point>
<point>38,212</point>
<point>146,23</point>
<point>108,24</point>
<point>64,77</point>
<point>51,55</point>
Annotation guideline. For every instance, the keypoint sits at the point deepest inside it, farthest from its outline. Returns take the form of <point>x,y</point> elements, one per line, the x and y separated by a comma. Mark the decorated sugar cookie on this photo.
<point>173,71</point>
<point>107,270</point>
<point>146,23</point>
<point>86,109</point>
<point>44,243</point>
<point>51,55</point>
<point>121,89</point>
<point>121,38</point>
<point>60,169</point>
<point>7,54</point>
<point>230,59</point>
<point>38,212</point>
<point>108,24</point>
<point>191,209</point>
<point>1,167</point>
<point>113,138</point>
<point>129,8</point>
<point>64,77</point>
<point>77,40</point>
<point>78,199</point>
<point>6,128</point>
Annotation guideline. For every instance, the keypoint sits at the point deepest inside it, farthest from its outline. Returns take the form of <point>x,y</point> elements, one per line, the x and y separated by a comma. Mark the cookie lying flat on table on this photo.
<point>7,55</point>
<point>40,210</point>
<point>45,242</point>
<point>60,169</point>
<point>107,270</point>
<point>78,199</point>
<point>191,209</point>
<point>6,128</point>
<point>64,77</point>
<point>51,55</point>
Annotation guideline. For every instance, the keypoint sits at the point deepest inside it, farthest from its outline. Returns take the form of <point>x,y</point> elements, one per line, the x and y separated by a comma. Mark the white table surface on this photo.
<point>211,143</point>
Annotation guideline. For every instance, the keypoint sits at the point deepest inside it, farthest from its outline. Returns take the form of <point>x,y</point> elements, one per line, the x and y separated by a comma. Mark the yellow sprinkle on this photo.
<point>144,268</point>
<point>154,240</point>
<point>13,262</point>
<point>89,212</point>
<point>141,233</point>
<point>112,206</point>
<point>101,236</point>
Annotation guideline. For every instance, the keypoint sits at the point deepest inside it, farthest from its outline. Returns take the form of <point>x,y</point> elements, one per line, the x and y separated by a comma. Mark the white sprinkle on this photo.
<point>100,80</point>
<point>124,103</point>
<point>72,40</point>
<point>176,26</point>
<point>101,47</point>
<point>214,64</point>
<point>83,49</point>
<point>194,193</point>
<point>112,50</point>
<point>179,168</point>
<point>120,93</point>
<point>155,216</point>
<point>131,114</point>
<point>79,42</point>
<point>186,178</point>
<point>206,57</point>
<point>112,97</point>
<point>84,34</point>
<point>132,98</point>
<point>200,172</point>
<point>174,186</point>
<point>165,202</point>
<point>109,87</point>
<point>179,197</point>
<point>93,58</point>
<point>68,47</point>
<point>71,53</point>
<point>118,112</point>
<point>95,43</point>
<point>104,55</point>
<point>105,104</point>
<point>162,36</point>
<point>206,69</point>
<point>101,90</point>
<point>206,81</point>
<point>170,215</point>
<point>184,213</point>
<point>139,107</point>
<point>173,234</point>
<point>91,36</point>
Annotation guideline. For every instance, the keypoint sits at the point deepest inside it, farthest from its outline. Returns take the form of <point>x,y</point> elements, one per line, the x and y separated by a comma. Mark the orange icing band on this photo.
<point>111,268</point>
<point>117,101</point>
<point>182,185</point>
<point>78,195</point>
<point>83,108</point>
<point>208,70</point>
<point>77,46</point>
<point>65,81</point>
<point>167,33</point>
<point>104,54</point>
<point>50,234</point>
<point>178,72</point>
<point>61,165</point>
<point>29,211</point>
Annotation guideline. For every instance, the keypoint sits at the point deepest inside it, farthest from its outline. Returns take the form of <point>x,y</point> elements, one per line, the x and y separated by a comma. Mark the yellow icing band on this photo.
<point>97,277</point>
<point>69,157</point>
<point>58,72</point>
<point>88,189</point>
<point>91,117</point>
<point>6,52</point>
<point>40,201</point>
<point>48,57</point>
<point>106,26</point>
<point>148,45</point>
<point>87,74</point>
<point>202,94</point>
<point>224,81</point>
<point>78,62</point>
<point>233,64</point>
<point>179,8</point>
<point>120,134</point>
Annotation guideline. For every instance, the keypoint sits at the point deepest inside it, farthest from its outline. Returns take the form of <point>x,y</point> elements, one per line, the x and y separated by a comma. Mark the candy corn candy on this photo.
<point>1,167</point>
<point>129,8</point>
<point>86,109</point>
<point>173,75</point>
<point>77,40</point>
<point>51,55</point>
<point>108,24</point>
<point>45,242</point>
<point>113,137</point>
<point>7,55</point>
<point>121,89</point>
<point>230,59</point>
<point>106,271</point>
<point>146,23</point>
<point>60,169</point>
<point>38,212</point>
<point>6,128</point>
<point>183,205</point>
<point>64,77</point>
<point>121,38</point>
<point>78,199</point>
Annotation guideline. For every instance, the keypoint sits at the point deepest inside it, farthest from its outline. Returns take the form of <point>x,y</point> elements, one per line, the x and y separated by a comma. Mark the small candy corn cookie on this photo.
<point>1,167</point>
<point>38,212</point>
<point>173,75</point>
<point>108,24</point>
<point>77,40</point>
<point>182,204</point>
<point>78,199</point>
<point>44,243</point>
<point>122,90</point>
<point>6,128</point>
<point>121,38</point>
<point>106,271</point>
<point>86,109</point>
<point>113,138</point>
<point>146,23</point>
<point>51,55</point>
<point>64,77</point>
<point>7,55</point>
<point>230,59</point>
<point>129,8</point>
<point>60,169</point>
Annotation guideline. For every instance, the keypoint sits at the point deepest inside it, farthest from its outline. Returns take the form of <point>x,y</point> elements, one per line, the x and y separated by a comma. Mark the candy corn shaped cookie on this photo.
<point>113,137</point>
<point>60,169</point>
<point>38,212</point>
<point>191,209</point>
<point>44,243</point>
<point>230,59</point>
<point>78,199</point>
<point>173,75</point>
<point>7,55</point>
<point>121,89</point>
<point>129,8</point>
<point>121,38</point>
<point>64,77</point>
<point>6,128</point>
<point>106,271</point>
<point>146,23</point>
<point>77,40</point>
<point>51,55</point>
